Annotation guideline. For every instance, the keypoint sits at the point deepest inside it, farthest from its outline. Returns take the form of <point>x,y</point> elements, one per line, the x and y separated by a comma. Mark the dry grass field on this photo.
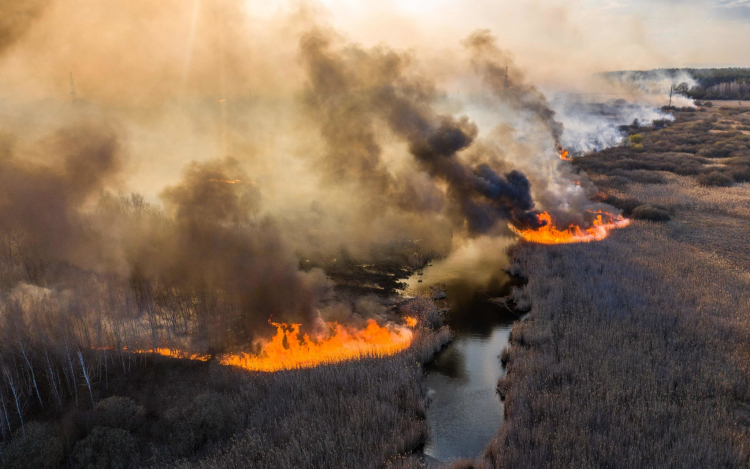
<point>636,351</point>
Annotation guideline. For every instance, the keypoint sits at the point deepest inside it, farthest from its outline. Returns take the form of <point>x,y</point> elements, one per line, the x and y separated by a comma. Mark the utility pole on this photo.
<point>72,88</point>
<point>670,95</point>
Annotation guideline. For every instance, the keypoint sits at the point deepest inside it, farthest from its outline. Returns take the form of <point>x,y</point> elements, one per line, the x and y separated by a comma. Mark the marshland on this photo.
<point>333,235</point>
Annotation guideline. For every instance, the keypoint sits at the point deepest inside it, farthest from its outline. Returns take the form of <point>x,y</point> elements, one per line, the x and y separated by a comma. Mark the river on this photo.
<point>465,411</point>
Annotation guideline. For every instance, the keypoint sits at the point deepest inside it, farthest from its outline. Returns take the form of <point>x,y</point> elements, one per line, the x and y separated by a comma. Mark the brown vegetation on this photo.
<point>635,352</point>
<point>712,147</point>
<point>188,414</point>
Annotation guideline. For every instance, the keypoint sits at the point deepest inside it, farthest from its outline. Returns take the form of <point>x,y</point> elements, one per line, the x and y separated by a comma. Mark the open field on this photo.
<point>636,352</point>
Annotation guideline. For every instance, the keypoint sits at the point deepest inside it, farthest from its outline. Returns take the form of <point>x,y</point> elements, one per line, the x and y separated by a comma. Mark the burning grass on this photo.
<point>651,318</point>
<point>549,234</point>
<point>635,352</point>
<point>193,414</point>
<point>288,349</point>
<point>564,154</point>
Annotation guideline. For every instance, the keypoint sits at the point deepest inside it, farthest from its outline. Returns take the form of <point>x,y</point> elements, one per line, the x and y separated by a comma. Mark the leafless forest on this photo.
<point>158,412</point>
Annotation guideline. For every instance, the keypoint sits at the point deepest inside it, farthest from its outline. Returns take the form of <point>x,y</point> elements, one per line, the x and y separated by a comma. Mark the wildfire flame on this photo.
<point>174,353</point>
<point>564,154</point>
<point>163,351</point>
<point>549,234</point>
<point>287,350</point>
<point>226,181</point>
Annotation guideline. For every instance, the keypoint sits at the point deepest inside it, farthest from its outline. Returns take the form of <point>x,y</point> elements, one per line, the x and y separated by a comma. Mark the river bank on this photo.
<point>635,352</point>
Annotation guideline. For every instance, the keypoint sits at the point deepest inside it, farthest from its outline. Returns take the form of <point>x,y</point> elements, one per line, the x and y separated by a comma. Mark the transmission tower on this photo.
<point>670,95</point>
<point>72,88</point>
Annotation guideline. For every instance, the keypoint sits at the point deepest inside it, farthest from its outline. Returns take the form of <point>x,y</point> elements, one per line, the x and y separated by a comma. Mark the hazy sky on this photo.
<point>168,46</point>
<point>552,36</point>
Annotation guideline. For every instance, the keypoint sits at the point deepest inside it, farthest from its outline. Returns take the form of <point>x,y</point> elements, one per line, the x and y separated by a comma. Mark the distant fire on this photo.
<point>564,154</point>
<point>173,353</point>
<point>226,181</point>
<point>549,234</point>
<point>288,350</point>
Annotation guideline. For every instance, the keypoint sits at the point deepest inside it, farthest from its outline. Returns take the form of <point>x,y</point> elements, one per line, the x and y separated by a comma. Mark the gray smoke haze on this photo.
<point>593,126</point>
<point>653,86</point>
<point>217,246</point>
<point>16,18</point>
<point>314,148</point>
<point>478,197</point>
<point>45,201</point>
<point>491,63</point>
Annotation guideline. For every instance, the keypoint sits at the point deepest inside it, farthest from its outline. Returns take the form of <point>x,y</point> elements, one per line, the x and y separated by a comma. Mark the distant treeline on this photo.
<point>711,83</point>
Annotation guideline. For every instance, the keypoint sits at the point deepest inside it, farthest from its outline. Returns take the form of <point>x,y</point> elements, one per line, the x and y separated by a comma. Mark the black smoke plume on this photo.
<point>492,63</point>
<point>218,246</point>
<point>43,203</point>
<point>208,257</point>
<point>385,92</point>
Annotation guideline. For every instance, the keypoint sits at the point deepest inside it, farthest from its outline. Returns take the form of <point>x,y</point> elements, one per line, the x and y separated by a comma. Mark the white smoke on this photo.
<point>594,126</point>
<point>654,86</point>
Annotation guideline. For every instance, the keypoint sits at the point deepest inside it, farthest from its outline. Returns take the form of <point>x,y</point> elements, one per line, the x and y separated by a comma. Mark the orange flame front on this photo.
<point>564,154</point>
<point>548,234</point>
<point>287,350</point>
<point>226,181</point>
<point>175,353</point>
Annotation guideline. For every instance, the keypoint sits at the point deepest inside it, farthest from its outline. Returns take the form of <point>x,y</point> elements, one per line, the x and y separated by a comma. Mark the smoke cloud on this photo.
<point>477,197</point>
<point>499,71</point>
<point>16,18</point>
<point>45,201</point>
<point>211,154</point>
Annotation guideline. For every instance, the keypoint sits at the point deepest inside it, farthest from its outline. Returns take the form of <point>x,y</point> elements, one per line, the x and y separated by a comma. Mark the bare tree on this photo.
<point>86,376</point>
<point>51,378</point>
<point>22,347</point>
<point>16,393</point>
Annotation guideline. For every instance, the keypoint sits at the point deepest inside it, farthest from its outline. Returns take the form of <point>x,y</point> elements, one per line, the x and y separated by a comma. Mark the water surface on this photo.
<point>465,410</point>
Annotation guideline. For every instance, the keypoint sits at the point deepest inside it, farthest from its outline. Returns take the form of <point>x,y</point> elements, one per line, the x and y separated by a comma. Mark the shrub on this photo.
<point>651,213</point>
<point>740,173</point>
<point>646,177</point>
<point>118,412</point>
<point>209,417</point>
<point>615,181</point>
<point>627,205</point>
<point>714,178</point>
<point>636,139</point>
<point>106,448</point>
<point>39,448</point>
<point>424,310</point>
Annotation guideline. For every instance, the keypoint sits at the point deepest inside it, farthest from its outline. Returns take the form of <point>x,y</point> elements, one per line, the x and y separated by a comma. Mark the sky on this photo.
<point>162,46</point>
<point>155,59</point>
<point>557,39</point>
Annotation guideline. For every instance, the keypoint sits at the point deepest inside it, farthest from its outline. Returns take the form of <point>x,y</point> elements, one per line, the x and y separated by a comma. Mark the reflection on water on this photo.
<point>465,411</point>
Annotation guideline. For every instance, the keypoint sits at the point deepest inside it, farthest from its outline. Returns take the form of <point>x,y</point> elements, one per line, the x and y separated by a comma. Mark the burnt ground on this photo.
<point>382,279</point>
